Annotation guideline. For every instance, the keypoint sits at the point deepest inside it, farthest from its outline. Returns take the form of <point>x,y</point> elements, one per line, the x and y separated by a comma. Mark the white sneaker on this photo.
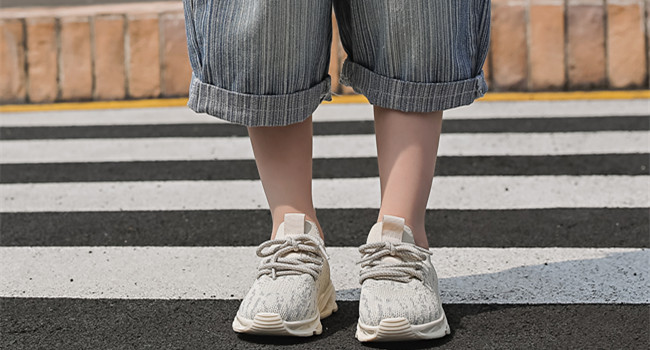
<point>293,290</point>
<point>400,299</point>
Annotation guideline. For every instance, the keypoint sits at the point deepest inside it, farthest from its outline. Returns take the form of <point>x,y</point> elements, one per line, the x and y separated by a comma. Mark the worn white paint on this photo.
<point>451,192</point>
<point>330,146</point>
<point>331,112</point>
<point>467,275</point>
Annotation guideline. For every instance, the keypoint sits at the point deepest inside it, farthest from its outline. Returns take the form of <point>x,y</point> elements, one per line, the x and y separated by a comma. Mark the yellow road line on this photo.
<point>336,99</point>
<point>156,102</point>
<point>570,95</point>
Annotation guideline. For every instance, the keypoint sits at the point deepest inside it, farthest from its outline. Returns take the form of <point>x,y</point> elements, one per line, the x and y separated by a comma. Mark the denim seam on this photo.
<point>381,92</point>
<point>353,66</point>
<point>220,90</point>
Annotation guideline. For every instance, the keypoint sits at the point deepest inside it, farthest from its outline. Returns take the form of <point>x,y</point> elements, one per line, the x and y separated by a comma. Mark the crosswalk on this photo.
<point>137,228</point>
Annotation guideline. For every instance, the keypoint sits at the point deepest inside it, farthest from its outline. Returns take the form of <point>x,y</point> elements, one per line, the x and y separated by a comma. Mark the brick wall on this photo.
<point>132,51</point>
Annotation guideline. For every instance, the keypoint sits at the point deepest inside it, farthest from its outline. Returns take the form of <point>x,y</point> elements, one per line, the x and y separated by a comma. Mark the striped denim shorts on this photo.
<point>266,63</point>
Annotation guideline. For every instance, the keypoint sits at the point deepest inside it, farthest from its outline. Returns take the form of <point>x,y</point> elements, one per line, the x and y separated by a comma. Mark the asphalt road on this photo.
<point>136,228</point>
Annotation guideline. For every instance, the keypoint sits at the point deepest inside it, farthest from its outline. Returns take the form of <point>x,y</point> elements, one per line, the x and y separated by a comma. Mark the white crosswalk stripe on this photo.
<point>328,113</point>
<point>450,192</point>
<point>468,275</point>
<point>207,148</point>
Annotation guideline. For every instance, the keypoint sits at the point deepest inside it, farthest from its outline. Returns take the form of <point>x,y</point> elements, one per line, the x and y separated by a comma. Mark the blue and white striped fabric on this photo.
<point>265,63</point>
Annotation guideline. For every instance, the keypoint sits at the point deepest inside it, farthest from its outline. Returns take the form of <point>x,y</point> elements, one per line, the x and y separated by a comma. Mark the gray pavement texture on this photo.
<point>206,324</point>
<point>555,227</point>
<point>72,323</point>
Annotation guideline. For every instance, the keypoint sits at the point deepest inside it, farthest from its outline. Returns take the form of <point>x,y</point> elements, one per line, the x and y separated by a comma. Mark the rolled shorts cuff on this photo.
<point>257,110</point>
<point>409,96</point>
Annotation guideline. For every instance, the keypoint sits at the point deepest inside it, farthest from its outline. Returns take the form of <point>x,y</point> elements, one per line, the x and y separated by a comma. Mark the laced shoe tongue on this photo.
<point>390,229</point>
<point>295,224</point>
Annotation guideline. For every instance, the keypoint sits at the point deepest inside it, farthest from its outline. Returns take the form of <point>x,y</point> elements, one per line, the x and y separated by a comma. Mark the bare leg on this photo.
<point>407,148</point>
<point>283,155</point>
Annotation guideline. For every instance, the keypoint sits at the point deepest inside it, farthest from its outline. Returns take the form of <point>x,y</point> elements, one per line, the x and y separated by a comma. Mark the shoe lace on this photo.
<point>277,264</point>
<point>411,257</point>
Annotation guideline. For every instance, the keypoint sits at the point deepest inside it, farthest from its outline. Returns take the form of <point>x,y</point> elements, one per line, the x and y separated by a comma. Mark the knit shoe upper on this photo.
<point>292,274</point>
<point>397,277</point>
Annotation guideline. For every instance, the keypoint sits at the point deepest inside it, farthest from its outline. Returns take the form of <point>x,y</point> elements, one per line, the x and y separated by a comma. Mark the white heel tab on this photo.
<point>392,228</point>
<point>294,224</point>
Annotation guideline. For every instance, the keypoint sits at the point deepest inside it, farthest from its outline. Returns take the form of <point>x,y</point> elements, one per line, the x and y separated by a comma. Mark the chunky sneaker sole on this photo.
<point>399,329</point>
<point>266,323</point>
